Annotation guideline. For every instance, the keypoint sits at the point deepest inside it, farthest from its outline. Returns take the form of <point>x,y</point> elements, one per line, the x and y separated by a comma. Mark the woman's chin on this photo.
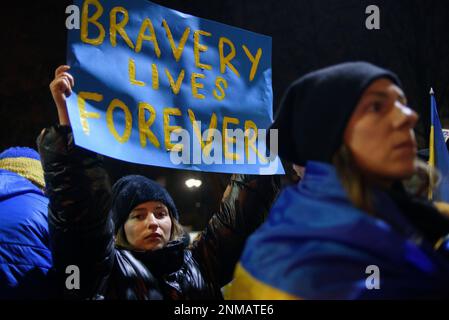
<point>402,173</point>
<point>153,246</point>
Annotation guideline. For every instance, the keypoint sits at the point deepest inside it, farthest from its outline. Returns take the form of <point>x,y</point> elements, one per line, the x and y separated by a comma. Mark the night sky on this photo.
<point>413,41</point>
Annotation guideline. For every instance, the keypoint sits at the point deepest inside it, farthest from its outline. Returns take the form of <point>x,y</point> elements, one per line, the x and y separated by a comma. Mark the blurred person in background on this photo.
<point>349,230</point>
<point>25,257</point>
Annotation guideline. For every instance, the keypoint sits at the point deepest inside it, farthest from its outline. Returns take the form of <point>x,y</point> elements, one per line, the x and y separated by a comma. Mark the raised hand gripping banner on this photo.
<point>159,87</point>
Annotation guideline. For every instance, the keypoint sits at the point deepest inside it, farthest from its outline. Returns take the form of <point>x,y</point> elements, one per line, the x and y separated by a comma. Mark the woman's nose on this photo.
<point>404,116</point>
<point>151,220</point>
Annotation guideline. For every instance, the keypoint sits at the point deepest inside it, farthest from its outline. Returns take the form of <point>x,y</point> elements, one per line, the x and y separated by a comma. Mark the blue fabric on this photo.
<point>17,152</point>
<point>25,258</point>
<point>316,245</point>
<point>440,156</point>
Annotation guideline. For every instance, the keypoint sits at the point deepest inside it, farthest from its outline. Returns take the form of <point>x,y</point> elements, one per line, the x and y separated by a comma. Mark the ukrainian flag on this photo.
<point>316,245</point>
<point>438,154</point>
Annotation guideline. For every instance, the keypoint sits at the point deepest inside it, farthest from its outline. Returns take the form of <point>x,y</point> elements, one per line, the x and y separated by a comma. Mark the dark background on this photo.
<point>413,41</point>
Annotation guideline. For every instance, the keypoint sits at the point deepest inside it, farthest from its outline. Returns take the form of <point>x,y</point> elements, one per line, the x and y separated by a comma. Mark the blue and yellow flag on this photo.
<point>438,153</point>
<point>316,245</point>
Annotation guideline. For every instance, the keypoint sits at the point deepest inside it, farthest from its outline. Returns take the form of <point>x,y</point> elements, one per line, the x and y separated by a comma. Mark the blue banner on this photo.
<point>159,87</point>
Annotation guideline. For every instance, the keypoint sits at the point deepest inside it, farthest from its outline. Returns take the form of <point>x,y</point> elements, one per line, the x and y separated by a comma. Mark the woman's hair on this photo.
<point>176,233</point>
<point>359,190</point>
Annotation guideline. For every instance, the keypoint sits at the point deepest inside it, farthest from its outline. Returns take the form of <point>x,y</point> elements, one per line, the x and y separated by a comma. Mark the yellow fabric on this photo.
<point>246,287</point>
<point>226,291</point>
<point>443,207</point>
<point>431,157</point>
<point>28,168</point>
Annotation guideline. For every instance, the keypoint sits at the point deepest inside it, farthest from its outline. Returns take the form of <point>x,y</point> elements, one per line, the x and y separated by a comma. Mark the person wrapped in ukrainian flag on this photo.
<point>349,229</point>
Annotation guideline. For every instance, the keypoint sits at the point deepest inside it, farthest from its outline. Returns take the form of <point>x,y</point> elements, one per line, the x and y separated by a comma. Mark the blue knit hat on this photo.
<point>25,162</point>
<point>316,108</point>
<point>130,191</point>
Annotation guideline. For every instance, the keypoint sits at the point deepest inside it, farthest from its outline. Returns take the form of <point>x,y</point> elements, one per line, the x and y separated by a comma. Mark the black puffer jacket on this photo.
<point>81,232</point>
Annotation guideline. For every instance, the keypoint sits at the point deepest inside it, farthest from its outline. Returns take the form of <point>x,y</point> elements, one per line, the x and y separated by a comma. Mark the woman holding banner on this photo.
<point>126,242</point>
<point>349,229</point>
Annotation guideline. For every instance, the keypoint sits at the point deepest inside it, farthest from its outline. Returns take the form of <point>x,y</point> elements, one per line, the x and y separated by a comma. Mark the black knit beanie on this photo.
<point>316,108</point>
<point>130,191</point>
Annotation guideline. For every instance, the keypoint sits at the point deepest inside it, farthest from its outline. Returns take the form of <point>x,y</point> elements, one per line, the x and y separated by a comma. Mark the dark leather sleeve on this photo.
<point>81,232</point>
<point>245,205</point>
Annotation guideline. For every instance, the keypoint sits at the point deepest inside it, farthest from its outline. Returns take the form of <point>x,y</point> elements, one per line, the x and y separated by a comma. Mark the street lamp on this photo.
<point>193,183</point>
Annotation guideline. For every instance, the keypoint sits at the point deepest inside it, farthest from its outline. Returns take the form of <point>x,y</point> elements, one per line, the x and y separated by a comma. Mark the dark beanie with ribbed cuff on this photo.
<point>130,191</point>
<point>316,108</point>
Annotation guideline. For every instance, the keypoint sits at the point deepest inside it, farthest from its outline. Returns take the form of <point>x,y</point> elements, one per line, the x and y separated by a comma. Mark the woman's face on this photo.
<point>148,226</point>
<point>380,133</point>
